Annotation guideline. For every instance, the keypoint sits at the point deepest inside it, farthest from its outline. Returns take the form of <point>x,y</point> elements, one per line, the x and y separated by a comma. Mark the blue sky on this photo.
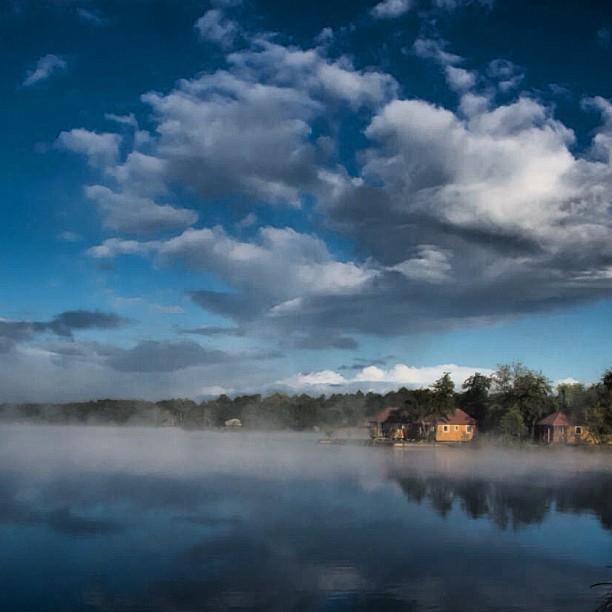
<point>246,196</point>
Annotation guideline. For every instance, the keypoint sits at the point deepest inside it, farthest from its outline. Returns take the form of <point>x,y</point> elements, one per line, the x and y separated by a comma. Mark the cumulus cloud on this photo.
<point>389,9</point>
<point>430,264</point>
<point>374,378</point>
<point>459,79</point>
<point>302,261</point>
<point>45,67</point>
<point>252,269</point>
<point>101,150</point>
<point>247,130</point>
<point>508,75</point>
<point>458,216</point>
<point>434,49</point>
<point>127,120</point>
<point>500,197</point>
<point>116,246</point>
<point>213,26</point>
<point>130,213</point>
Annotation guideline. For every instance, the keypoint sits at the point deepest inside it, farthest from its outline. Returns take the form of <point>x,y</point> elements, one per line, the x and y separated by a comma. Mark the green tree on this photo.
<point>512,424</point>
<point>599,412</point>
<point>419,405</point>
<point>532,392</point>
<point>475,398</point>
<point>443,397</point>
<point>519,388</point>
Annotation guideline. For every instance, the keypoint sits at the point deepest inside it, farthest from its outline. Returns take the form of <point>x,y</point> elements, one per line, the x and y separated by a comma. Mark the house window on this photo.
<point>456,427</point>
<point>468,428</point>
<point>445,428</point>
<point>578,429</point>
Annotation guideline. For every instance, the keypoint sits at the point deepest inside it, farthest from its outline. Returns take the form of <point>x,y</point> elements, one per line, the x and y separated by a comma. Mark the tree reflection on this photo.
<point>511,503</point>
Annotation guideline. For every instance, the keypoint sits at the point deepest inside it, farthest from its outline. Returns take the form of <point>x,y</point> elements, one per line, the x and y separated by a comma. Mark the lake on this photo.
<point>164,519</point>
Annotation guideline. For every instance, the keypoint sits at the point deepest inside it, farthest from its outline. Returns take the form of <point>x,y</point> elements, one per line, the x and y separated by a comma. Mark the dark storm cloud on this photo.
<point>77,320</point>
<point>63,324</point>
<point>12,332</point>
<point>163,356</point>
<point>237,306</point>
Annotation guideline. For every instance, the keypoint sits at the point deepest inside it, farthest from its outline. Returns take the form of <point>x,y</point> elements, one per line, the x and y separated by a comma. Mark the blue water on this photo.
<point>162,519</point>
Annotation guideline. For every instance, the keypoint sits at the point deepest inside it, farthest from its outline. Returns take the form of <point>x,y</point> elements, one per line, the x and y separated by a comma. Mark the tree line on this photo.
<point>507,403</point>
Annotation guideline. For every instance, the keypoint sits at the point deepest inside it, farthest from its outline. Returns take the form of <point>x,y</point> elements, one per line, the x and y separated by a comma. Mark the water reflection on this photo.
<point>104,519</point>
<point>511,503</point>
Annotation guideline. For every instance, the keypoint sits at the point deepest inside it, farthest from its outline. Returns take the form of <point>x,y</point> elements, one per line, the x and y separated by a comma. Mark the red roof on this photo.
<point>383,415</point>
<point>458,417</point>
<point>556,419</point>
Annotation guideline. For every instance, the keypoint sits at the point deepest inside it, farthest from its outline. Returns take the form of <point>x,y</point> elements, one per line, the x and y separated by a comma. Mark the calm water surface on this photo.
<point>133,519</point>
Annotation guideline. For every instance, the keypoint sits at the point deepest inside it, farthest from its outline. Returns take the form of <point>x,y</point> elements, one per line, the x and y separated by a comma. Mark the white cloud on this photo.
<point>302,261</point>
<point>213,26</point>
<point>325,377</point>
<point>128,120</point>
<point>389,9</point>
<point>45,67</point>
<point>220,134</point>
<point>430,265</point>
<point>141,173</point>
<point>566,381</point>
<point>375,378</point>
<point>101,149</point>
<point>68,236</point>
<point>112,247</point>
<point>506,168</point>
<point>429,48</point>
<point>131,213</point>
<point>508,75</point>
<point>473,104</point>
<point>459,79</point>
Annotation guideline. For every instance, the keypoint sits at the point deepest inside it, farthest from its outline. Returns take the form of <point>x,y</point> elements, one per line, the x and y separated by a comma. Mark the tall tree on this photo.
<point>419,405</point>
<point>519,388</point>
<point>599,413</point>
<point>475,398</point>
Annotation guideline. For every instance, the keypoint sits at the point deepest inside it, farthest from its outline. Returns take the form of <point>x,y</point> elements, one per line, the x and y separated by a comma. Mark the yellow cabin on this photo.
<point>457,426</point>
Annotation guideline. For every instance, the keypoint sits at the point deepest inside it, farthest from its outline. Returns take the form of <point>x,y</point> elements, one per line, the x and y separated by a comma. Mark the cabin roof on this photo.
<point>383,415</point>
<point>457,417</point>
<point>557,419</point>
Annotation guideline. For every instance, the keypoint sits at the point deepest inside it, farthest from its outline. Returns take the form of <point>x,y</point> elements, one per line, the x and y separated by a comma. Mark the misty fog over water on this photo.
<point>164,519</point>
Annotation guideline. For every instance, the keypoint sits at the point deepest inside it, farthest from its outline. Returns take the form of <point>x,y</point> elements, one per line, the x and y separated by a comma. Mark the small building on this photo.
<point>232,424</point>
<point>457,426</point>
<point>388,424</point>
<point>561,428</point>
